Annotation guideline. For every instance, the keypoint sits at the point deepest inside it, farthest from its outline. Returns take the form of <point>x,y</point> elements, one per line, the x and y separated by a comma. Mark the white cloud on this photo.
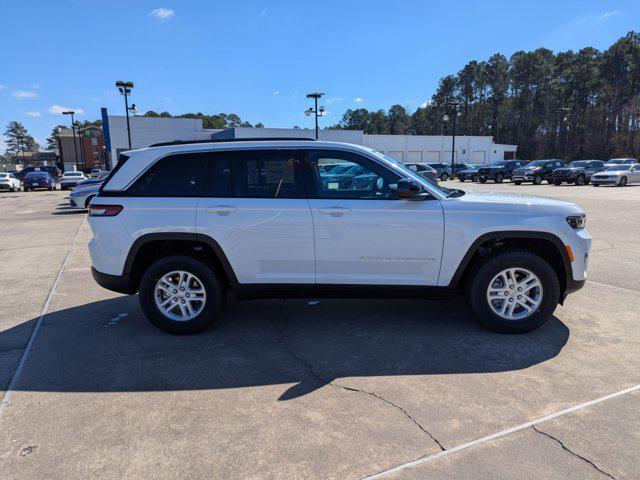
<point>334,99</point>
<point>2,87</point>
<point>358,100</point>
<point>22,94</point>
<point>162,13</point>
<point>277,92</point>
<point>33,114</point>
<point>58,109</point>
<point>608,14</point>
<point>263,13</point>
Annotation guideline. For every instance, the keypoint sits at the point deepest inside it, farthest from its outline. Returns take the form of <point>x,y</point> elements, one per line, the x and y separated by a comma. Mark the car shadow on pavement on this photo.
<point>109,346</point>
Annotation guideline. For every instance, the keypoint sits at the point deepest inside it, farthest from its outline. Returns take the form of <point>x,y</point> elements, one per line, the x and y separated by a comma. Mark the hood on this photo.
<point>569,169</point>
<point>493,167</point>
<point>489,202</point>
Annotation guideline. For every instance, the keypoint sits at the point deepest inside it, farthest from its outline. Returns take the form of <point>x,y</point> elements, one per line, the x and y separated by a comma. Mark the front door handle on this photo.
<point>222,209</point>
<point>335,210</point>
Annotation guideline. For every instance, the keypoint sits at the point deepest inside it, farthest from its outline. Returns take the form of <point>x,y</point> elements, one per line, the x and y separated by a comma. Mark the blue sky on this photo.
<point>258,59</point>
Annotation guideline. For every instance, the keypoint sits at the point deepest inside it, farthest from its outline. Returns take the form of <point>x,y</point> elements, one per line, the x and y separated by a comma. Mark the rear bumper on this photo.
<point>115,283</point>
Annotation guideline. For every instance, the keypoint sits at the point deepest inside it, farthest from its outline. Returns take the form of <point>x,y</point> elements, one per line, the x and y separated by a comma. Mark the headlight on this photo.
<point>577,222</point>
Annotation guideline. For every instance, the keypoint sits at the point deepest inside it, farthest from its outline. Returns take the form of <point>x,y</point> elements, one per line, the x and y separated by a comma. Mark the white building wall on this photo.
<point>146,131</point>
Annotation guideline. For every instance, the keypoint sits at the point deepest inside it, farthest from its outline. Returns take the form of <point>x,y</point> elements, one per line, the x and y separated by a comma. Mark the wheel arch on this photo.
<point>152,246</point>
<point>545,244</point>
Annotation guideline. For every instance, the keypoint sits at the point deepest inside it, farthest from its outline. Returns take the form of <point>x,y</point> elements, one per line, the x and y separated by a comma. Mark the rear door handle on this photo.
<point>222,209</point>
<point>335,210</point>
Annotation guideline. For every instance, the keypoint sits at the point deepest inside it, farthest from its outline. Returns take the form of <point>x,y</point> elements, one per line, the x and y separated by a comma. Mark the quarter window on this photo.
<point>355,177</point>
<point>172,176</point>
<point>267,174</point>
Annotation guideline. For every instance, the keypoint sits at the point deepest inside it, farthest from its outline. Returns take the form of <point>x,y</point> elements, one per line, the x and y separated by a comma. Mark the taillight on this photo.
<point>104,210</point>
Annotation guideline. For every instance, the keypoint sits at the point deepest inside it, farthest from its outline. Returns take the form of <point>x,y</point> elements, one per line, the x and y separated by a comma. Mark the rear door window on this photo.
<point>267,174</point>
<point>173,176</point>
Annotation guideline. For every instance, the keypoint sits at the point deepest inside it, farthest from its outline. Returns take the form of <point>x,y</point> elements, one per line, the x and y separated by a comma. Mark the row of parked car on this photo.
<point>45,177</point>
<point>617,171</point>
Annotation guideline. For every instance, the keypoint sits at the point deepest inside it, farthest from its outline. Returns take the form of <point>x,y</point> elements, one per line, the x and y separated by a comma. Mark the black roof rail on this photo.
<point>223,140</point>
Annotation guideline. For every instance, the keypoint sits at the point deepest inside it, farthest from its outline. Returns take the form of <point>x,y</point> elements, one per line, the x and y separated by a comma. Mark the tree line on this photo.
<point>569,105</point>
<point>219,121</point>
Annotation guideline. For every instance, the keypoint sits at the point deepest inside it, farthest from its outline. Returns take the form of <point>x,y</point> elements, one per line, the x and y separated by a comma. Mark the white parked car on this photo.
<point>71,179</point>
<point>8,181</point>
<point>184,223</point>
<point>621,161</point>
<point>83,193</point>
<point>619,175</point>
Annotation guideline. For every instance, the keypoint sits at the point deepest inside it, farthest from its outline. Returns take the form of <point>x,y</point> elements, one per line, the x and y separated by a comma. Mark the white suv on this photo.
<point>183,223</point>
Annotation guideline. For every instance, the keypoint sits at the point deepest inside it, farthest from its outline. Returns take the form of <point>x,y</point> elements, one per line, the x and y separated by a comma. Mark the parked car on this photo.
<point>89,181</point>
<point>55,172</point>
<point>8,181</point>
<point>95,173</point>
<point>469,173</point>
<point>578,172</point>
<point>33,180</point>
<point>424,170</point>
<point>499,171</point>
<point>619,175</point>
<point>536,171</point>
<point>621,161</point>
<point>71,179</point>
<point>82,194</point>
<point>182,224</point>
<point>442,169</point>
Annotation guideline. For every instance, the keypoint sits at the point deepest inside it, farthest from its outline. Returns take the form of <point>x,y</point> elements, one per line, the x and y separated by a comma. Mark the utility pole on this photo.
<point>73,129</point>
<point>455,105</point>
<point>316,111</point>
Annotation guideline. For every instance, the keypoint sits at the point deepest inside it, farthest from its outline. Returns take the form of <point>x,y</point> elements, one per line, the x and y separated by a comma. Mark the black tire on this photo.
<point>475,178</point>
<point>581,180</point>
<point>537,179</point>
<point>444,177</point>
<point>88,200</point>
<point>499,178</point>
<point>461,178</point>
<point>596,184</point>
<point>557,183</point>
<point>622,182</point>
<point>483,180</point>
<point>517,182</point>
<point>484,273</point>
<point>215,293</point>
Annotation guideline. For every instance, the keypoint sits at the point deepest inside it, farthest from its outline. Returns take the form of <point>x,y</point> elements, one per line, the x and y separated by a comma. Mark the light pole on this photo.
<point>125,89</point>
<point>454,104</point>
<point>73,129</point>
<point>316,111</point>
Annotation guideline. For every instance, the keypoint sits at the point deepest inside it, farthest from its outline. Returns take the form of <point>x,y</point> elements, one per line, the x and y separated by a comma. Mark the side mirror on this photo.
<point>408,189</point>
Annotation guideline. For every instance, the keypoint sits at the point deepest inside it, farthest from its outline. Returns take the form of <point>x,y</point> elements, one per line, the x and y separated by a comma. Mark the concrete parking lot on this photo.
<point>335,389</point>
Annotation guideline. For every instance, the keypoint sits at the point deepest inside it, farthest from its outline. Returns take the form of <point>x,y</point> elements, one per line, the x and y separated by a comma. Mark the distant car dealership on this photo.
<point>146,131</point>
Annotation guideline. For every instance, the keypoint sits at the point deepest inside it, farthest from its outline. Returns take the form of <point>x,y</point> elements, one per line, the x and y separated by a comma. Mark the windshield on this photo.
<point>537,163</point>
<point>2,175</point>
<point>619,168</point>
<point>407,172</point>
<point>499,163</point>
<point>72,174</point>
<point>578,163</point>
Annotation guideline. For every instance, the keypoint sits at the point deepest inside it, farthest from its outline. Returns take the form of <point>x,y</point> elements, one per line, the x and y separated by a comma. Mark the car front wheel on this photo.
<point>622,182</point>
<point>181,295</point>
<point>537,180</point>
<point>514,292</point>
<point>580,180</point>
<point>499,178</point>
<point>444,177</point>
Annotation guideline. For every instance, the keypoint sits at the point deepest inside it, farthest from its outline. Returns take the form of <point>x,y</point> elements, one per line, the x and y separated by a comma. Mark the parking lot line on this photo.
<point>613,286</point>
<point>502,433</point>
<point>6,400</point>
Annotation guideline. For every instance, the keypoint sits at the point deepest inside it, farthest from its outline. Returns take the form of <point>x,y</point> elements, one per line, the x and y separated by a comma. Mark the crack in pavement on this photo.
<point>319,378</point>
<point>564,447</point>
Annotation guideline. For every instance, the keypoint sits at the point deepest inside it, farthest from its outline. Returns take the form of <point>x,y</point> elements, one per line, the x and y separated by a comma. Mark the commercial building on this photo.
<point>88,152</point>
<point>146,131</point>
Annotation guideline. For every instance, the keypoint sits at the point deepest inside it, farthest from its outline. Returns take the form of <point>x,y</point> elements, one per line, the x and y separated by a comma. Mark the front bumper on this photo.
<point>527,177</point>
<point>604,181</point>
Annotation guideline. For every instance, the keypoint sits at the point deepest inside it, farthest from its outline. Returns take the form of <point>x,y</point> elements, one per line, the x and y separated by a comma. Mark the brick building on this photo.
<point>89,147</point>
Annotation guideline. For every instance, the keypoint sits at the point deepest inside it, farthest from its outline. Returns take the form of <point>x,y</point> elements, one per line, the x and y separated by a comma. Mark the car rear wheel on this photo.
<point>580,180</point>
<point>622,182</point>
<point>483,180</point>
<point>499,178</point>
<point>181,295</point>
<point>444,177</point>
<point>557,183</point>
<point>88,201</point>
<point>461,178</point>
<point>514,292</point>
<point>517,182</point>
<point>537,179</point>
<point>476,178</point>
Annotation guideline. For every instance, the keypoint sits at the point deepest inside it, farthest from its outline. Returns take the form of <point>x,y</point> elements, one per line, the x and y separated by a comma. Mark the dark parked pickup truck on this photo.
<point>536,171</point>
<point>499,171</point>
<point>578,172</point>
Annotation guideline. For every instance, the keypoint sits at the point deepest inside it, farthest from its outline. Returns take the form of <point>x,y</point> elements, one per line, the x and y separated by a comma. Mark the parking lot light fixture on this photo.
<point>125,89</point>
<point>315,110</point>
<point>454,105</point>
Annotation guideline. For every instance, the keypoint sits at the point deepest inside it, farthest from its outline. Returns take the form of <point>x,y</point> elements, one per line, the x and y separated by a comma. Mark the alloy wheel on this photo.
<point>180,295</point>
<point>514,293</point>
